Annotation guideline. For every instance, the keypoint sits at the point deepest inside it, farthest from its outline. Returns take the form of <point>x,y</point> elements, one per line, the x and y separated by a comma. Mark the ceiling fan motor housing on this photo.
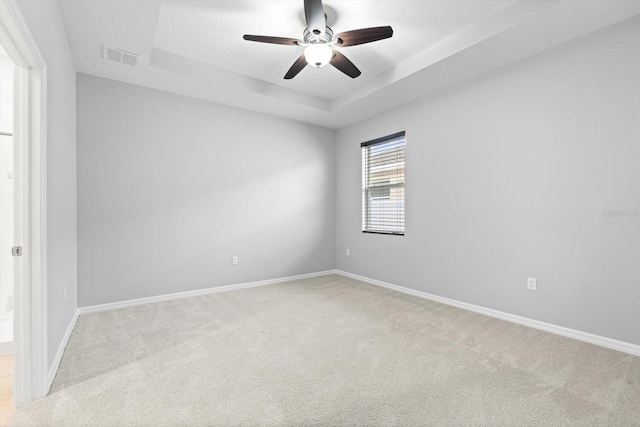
<point>311,38</point>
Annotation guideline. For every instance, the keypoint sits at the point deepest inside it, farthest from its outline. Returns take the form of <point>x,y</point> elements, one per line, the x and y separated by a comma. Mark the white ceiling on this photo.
<point>195,48</point>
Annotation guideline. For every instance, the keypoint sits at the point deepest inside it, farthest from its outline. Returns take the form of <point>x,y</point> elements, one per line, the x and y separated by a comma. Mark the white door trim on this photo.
<point>30,323</point>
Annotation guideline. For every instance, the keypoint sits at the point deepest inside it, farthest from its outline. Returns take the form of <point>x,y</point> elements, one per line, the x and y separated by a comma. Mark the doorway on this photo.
<point>7,224</point>
<point>7,205</point>
<point>23,179</point>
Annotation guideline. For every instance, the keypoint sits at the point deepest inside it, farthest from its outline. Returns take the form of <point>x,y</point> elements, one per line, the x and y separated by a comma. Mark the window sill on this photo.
<point>392,233</point>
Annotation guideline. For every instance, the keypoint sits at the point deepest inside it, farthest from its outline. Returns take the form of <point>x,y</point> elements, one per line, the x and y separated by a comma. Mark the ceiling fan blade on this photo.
<point>364,35</point>
<point>314,15</point>
<point>273,40</point>
<point>296,68</point>
<point>343,64</point>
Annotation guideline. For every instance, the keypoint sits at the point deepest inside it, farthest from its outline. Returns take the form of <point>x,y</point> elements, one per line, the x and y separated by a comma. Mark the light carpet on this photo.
<point>329,351</point>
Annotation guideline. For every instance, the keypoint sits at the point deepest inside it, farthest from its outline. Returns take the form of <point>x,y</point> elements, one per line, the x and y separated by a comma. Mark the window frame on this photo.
<point>367,188</point>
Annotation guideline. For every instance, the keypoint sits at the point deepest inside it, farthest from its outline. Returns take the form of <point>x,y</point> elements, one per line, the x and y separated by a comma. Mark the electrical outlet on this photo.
<point>348,252</point>
<point>234,260</point>
<point>531,284</point>
<point>65,292</point>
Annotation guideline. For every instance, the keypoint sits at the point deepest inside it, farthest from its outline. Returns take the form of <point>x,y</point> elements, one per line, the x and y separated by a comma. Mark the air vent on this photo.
<point>121,56</point>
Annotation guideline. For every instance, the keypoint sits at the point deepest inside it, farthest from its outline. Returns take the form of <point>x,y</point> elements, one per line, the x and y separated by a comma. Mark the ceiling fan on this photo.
<point>320,43</point>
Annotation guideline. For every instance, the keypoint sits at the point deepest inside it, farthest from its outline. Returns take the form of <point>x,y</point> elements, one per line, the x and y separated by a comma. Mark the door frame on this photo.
<point>30,312</point>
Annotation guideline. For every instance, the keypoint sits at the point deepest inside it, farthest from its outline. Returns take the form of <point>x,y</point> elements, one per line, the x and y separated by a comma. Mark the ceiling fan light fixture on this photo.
<point>318,54</point>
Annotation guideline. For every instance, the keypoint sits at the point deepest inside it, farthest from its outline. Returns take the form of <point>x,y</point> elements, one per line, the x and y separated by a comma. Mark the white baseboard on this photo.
<point>187,294</point>
<point>548,327</point>
<point>56,362</point>
<point>559,330</point>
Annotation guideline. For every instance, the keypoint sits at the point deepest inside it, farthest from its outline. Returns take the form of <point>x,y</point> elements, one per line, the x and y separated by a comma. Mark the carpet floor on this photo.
<point>329,351</point>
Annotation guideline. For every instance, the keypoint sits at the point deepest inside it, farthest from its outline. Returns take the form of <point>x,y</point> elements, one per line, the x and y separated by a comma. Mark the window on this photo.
<point>383,185</point>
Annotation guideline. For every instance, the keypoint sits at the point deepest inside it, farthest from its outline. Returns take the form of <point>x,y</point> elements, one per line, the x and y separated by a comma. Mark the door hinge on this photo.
<point>16,251</point>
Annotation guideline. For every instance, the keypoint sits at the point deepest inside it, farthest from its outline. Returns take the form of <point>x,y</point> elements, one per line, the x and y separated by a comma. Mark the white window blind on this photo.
<point>383,185</point>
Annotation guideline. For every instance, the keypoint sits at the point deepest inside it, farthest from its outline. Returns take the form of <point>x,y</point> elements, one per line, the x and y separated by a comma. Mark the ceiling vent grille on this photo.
<point>121,56</point>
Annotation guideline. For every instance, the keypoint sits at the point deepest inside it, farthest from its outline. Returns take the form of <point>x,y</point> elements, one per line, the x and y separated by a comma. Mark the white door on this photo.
<point>21,248</point>
<point>18,201</point>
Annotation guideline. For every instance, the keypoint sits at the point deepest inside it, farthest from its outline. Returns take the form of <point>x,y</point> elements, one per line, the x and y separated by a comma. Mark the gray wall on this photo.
<point>507,178</point>
<point>170,188</point>
<point>45,23</point>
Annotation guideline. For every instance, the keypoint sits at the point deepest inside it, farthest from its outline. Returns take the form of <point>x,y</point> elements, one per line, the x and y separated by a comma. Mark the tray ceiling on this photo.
<point>195,48</point>
<point>212,32</point>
